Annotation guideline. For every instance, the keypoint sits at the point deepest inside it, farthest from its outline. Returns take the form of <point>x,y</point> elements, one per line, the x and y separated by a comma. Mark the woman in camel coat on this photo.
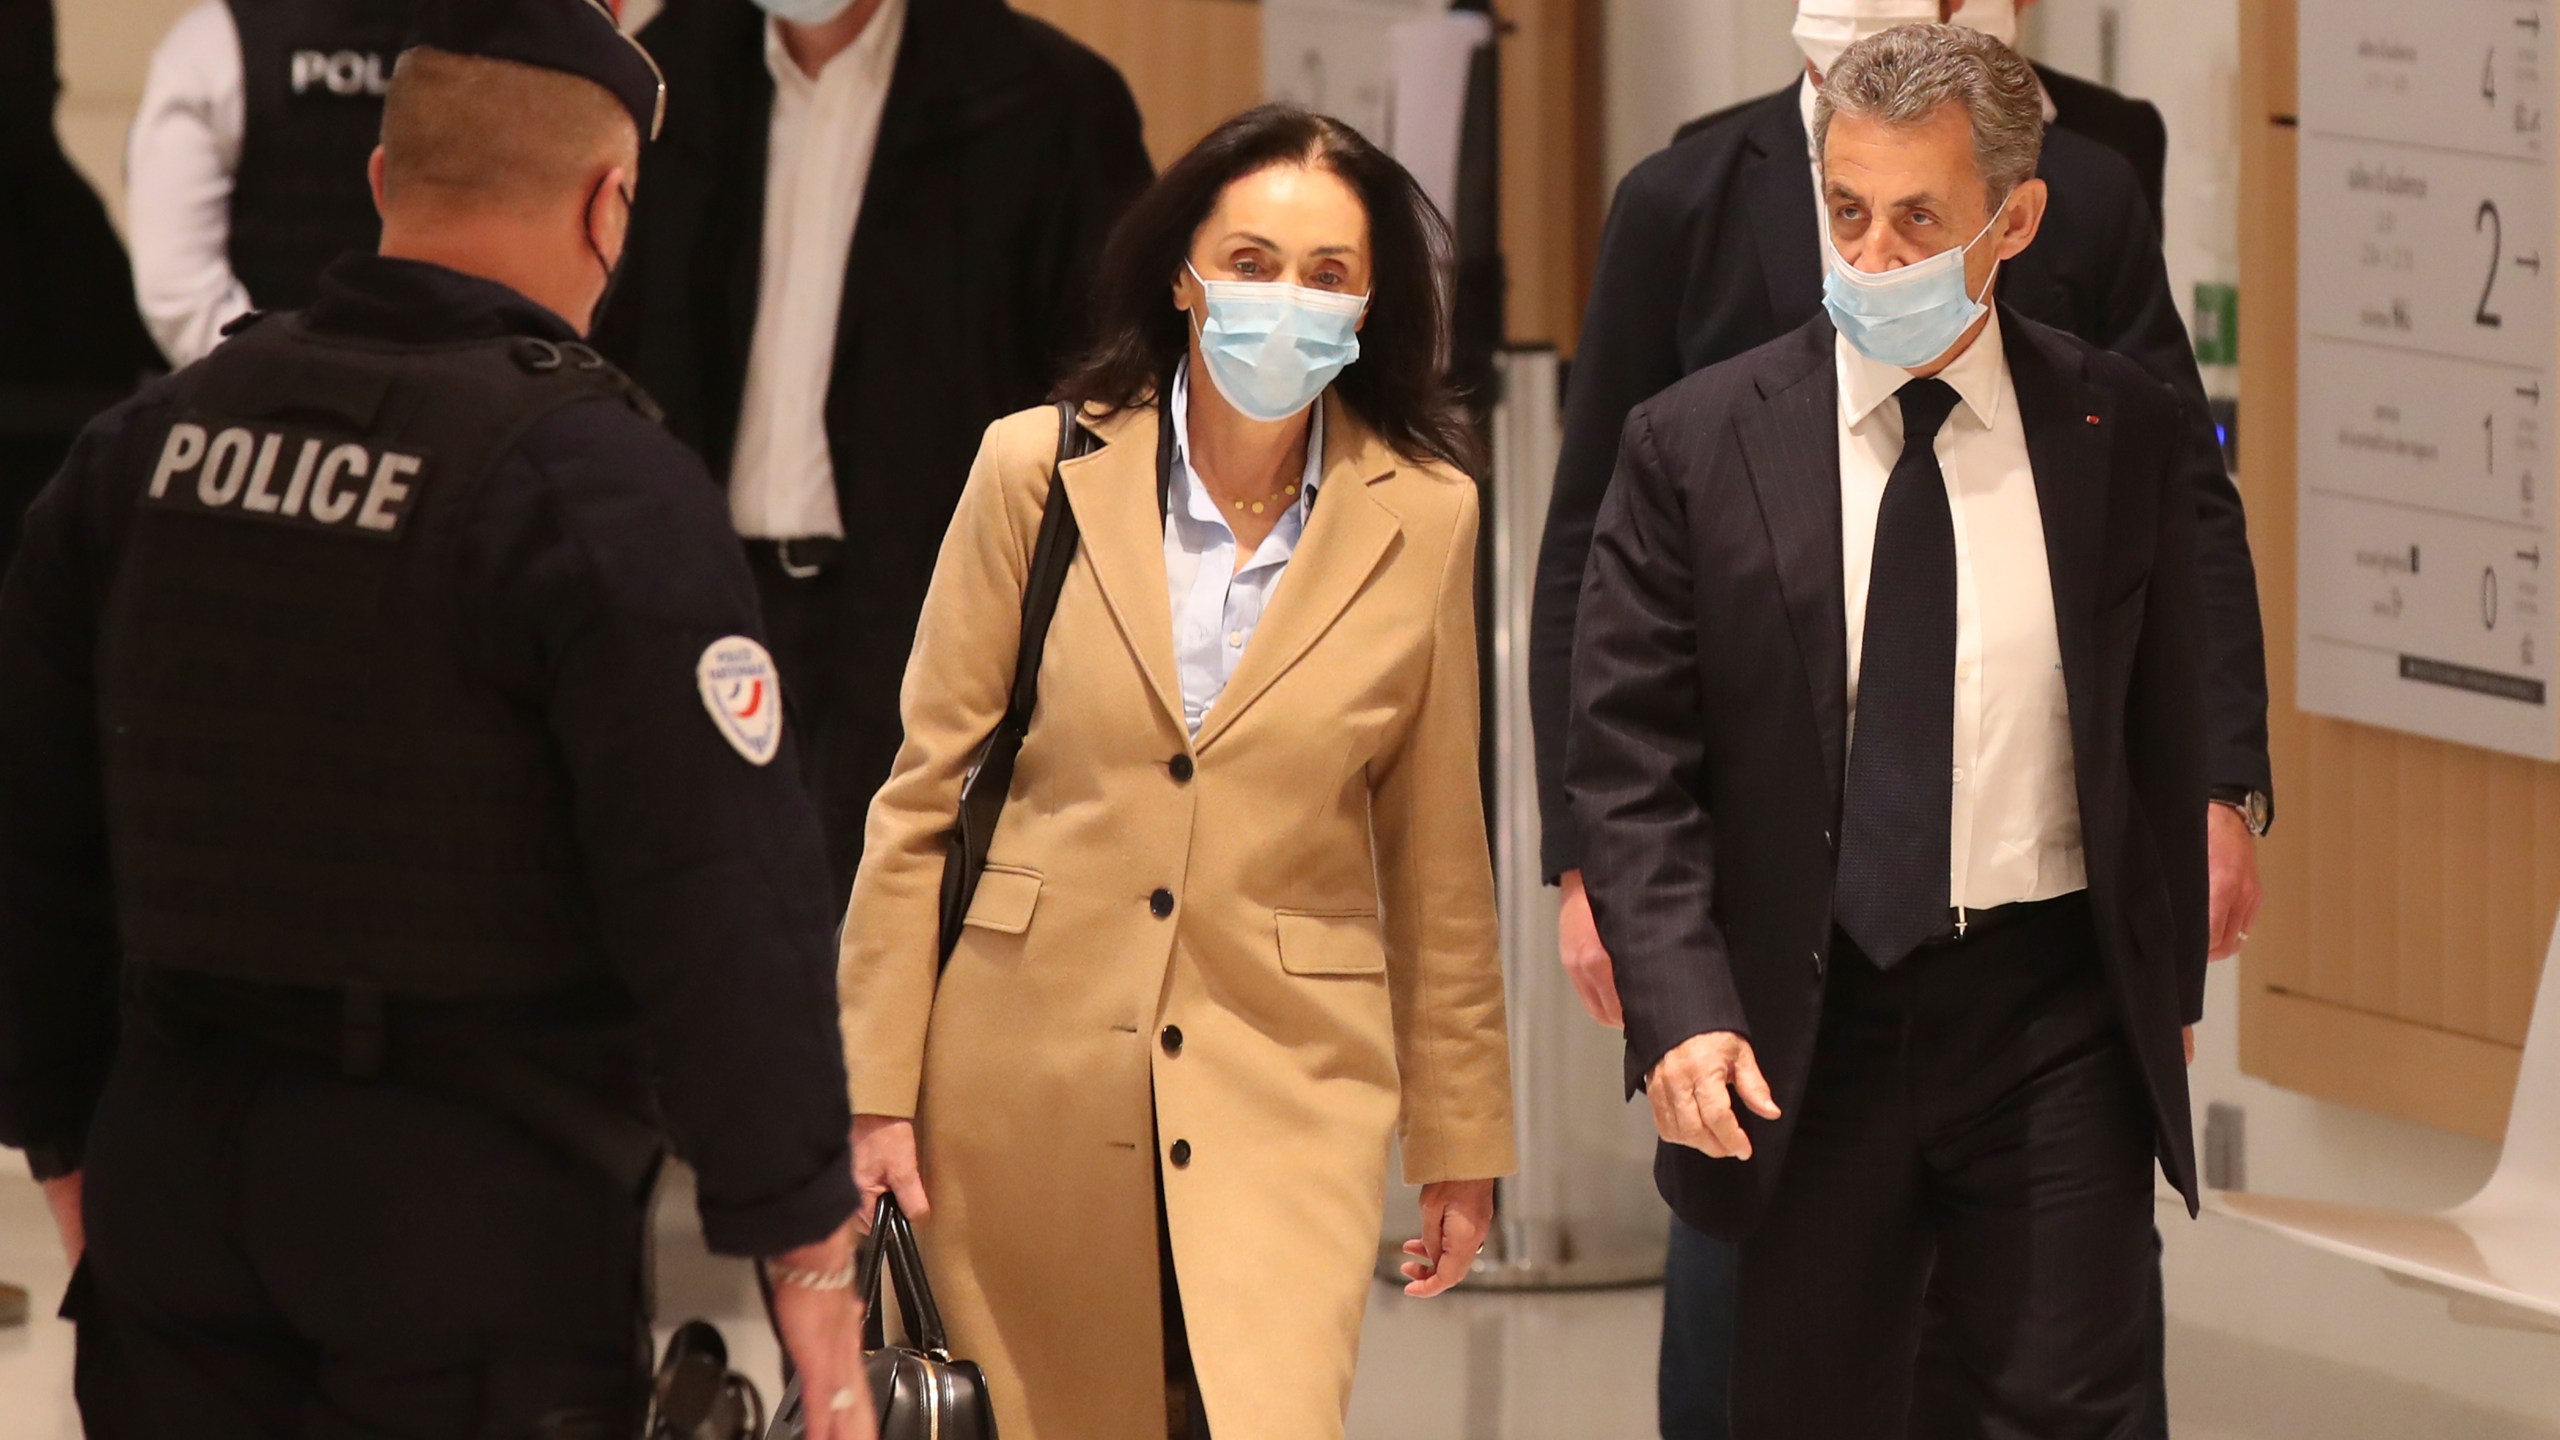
<point>1236,932</point>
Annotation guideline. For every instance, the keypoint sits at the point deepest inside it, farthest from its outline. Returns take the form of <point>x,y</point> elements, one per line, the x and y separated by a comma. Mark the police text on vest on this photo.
<point>285,477</point>
<point>347,73</point>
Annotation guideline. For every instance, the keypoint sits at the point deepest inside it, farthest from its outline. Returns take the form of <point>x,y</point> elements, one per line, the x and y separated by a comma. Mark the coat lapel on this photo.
<point>1122,538</point>
<point>2065,419</point>
<point>1791,446</point>
<point>1347,536</point>
<point>1785,223</point>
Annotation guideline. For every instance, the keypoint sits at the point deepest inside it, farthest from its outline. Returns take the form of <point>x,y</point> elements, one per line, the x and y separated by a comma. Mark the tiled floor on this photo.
<point>1465,1367</point>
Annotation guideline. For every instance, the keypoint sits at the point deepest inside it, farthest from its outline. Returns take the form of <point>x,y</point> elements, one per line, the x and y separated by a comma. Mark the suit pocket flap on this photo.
<point>1005,899</point>
<point>1339,944</point>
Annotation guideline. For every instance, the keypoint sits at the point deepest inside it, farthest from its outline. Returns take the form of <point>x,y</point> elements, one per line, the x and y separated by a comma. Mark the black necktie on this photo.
<point>1891,893</point>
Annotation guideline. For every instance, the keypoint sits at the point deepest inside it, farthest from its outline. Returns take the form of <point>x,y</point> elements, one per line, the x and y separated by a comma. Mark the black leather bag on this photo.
<point>696,1396</point>
<point>922,1392</point>
<point>990,775</point>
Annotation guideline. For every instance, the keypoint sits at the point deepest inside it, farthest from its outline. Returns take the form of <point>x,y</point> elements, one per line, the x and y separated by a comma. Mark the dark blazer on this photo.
<point>1006,152</point>
<point>1712,248</point>
<point>1710,674</point>
<point>71,341</point>
<point>2132,128</point>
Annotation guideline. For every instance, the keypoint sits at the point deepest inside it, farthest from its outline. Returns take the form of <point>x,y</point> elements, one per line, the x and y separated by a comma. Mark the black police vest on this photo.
<point>308,780</point>
<point>315,72</point>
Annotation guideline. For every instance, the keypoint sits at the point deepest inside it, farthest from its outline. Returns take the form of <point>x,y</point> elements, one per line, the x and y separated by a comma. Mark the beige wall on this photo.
<point>106,50</point>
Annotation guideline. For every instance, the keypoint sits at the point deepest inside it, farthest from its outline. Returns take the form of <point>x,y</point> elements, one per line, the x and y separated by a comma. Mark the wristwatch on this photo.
<point>2257,808</point>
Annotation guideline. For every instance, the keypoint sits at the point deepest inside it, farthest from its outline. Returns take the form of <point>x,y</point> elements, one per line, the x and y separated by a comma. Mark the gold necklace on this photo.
<point>1282,495</point>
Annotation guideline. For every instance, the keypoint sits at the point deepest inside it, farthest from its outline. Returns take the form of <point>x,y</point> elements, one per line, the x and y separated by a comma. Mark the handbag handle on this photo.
<point>990,773</point>
<point>915,1297</point>
<point>893,1248</point>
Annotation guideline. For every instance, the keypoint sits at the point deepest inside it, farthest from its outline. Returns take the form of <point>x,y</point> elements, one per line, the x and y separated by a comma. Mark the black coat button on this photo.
<point>1172,1039</point>
<point>1161,903</point>
<point>1181,1153</point>
<point>1182,770</point>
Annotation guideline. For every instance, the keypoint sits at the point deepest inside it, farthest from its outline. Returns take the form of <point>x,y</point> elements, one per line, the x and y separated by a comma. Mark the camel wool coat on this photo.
<point>1323,976</point>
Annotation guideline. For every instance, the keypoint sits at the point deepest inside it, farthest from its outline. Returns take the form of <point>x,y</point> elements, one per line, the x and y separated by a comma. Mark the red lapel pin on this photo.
<point>2092,419</point>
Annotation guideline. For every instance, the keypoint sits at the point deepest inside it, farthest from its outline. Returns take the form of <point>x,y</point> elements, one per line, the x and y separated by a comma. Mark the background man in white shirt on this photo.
<point>864,238</point>
<point>1888,753</point>
<point>245,172</point>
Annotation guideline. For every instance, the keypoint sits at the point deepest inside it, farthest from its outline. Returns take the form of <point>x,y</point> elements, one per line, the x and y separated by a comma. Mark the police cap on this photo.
<point>575,37</point>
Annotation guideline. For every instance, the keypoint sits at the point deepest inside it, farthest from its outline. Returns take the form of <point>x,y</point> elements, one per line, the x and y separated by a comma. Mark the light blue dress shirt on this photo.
<point>1216,606</point>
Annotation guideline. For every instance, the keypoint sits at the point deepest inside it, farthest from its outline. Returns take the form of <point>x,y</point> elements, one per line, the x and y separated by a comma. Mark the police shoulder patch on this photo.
<point>744,695</point>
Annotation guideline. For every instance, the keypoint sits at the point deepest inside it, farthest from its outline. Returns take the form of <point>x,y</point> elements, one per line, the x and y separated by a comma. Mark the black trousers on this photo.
<point>842,720</point>
<point>276,1251</point>
<point>1185,1418</point>
<point>1694,1378</point>
<point>1974,1145</point>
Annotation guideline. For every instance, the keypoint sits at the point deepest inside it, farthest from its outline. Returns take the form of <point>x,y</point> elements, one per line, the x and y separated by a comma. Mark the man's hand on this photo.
<point>884,1159</point>
<point>2187,1038</point>
<point>822,1331</point>
<point>2231,855</point>
<point>1457,1215</point>
<point>62,1196</point>
<point>1586,961</point>
<point>1693,1091</point>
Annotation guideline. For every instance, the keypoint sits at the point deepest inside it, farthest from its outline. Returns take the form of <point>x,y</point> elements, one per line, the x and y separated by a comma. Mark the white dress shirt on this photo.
<point>824,129</point>
<point>2015,828</point>
<point>1216,607</point>
<point>179,162</point>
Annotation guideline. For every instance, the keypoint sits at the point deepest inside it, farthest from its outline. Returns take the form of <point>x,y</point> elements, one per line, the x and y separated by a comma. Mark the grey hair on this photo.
<point>1911,72</point>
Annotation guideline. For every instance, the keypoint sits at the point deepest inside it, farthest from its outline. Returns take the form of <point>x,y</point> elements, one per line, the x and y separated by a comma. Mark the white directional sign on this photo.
<point>2429,347</point>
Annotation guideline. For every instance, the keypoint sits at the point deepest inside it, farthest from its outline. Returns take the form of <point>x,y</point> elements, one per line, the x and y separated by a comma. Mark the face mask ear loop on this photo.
<point>1999,212</point>
<point>611,270</point>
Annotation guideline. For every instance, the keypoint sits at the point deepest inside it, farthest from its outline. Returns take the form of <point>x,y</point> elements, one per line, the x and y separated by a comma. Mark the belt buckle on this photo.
<point>782,551</point>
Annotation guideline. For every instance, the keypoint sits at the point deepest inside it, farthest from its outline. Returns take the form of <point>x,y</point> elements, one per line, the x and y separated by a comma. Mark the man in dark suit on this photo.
<point>1907,1004</point>
<point>1712,248</point>
<point>71,341</point>
<point>2131,128</point>
<point>865,237</point>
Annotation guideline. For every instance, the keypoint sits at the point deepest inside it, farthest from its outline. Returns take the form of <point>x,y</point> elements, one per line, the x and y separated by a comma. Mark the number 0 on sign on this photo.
<point>2428,350</point>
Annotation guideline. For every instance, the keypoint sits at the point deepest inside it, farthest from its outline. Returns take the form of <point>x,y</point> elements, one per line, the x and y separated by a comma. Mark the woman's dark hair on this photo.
<point>1400,386</point>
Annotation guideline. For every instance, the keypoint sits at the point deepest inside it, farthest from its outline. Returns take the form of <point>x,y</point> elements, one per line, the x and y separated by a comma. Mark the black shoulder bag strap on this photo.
<point>990,775</point>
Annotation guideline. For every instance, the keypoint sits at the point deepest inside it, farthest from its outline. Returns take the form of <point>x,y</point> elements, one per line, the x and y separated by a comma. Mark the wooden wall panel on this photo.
<point>1551,160</point>
<point>1191,63</point>
<point>2411,884</point>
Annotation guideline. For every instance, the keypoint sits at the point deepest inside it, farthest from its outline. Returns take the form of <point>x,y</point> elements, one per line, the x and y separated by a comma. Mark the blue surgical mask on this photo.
<point>805,12</point>
<point>1906,317</point>
<point>1273,348</point>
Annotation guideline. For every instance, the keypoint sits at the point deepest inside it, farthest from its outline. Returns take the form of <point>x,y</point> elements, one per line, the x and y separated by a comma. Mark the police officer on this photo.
<point>395,821</point>
<point>244,173</point>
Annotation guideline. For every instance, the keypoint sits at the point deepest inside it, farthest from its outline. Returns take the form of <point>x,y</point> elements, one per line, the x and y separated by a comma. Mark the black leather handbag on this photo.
<point>921,1391</point>
<point>990,776</point>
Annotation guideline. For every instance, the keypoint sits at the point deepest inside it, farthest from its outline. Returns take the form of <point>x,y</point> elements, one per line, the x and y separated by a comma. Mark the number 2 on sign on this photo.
<point>2488,216</point>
